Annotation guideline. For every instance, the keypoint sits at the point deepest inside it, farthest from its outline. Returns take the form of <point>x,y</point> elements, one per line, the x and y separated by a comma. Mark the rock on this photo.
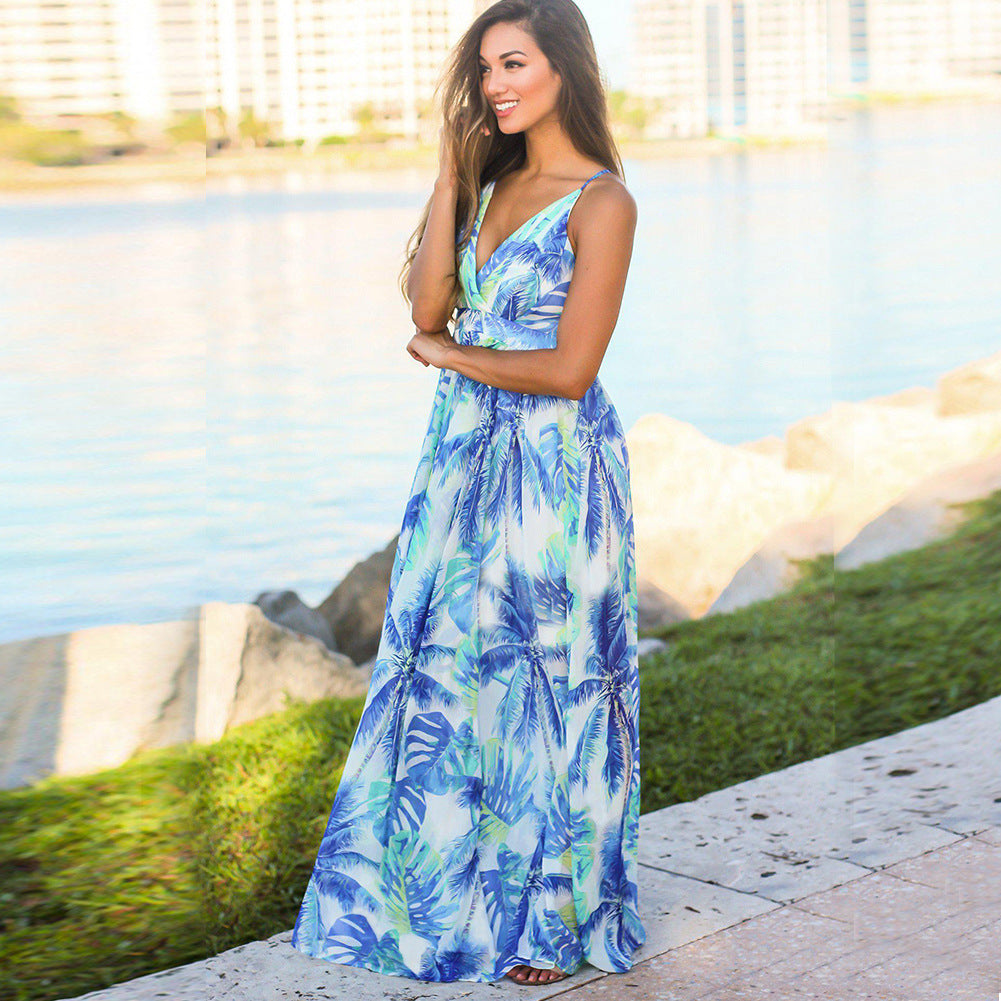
<point>702,508</point>
<point>33,676</point>
<point>711,518</point>
<point>972,388</point>
<point>286,608</point>
<point>657,608</point>
<point>83,701</point>
<point>773,569</point>
<point>107,692</point>
<point>876,451</point>
<point>648,645</point>
<point>250,665</point>
<point>356,608</point>
<point>927,512</point>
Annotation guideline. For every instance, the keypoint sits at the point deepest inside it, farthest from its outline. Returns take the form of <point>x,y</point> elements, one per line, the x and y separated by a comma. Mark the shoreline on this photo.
<point>343,165</point>
<point>350,164</point>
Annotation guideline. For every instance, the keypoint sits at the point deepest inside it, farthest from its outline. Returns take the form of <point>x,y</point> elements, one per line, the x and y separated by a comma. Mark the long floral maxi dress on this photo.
<point>488,811</point>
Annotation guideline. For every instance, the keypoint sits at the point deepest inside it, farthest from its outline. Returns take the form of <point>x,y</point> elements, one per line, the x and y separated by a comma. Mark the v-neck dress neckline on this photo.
<point>485,201</point>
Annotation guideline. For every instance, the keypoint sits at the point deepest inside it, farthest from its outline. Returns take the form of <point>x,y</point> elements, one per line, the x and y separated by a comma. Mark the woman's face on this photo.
<point>513,68</point>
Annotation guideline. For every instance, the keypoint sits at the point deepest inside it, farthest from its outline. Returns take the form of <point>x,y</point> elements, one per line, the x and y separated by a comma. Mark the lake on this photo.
<point>205,397</point>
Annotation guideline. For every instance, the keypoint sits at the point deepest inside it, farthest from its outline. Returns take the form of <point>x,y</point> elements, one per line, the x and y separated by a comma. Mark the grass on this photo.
<point>843,657</point>
<point>185,852</point>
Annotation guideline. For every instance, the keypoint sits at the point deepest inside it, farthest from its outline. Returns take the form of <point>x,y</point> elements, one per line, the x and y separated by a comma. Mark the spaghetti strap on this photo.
<point>590,179</point>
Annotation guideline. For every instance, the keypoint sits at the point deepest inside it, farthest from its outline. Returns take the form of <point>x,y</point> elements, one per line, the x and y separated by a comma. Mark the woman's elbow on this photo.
<point>577,386</point>
<point>427,320</point>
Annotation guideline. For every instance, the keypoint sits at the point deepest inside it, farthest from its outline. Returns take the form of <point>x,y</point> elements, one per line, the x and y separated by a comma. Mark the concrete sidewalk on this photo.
<point>925,929</point>
<point>872,872</point>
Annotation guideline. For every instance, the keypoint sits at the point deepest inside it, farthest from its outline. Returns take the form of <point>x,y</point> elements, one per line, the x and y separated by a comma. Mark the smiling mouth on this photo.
<point>505,105</point>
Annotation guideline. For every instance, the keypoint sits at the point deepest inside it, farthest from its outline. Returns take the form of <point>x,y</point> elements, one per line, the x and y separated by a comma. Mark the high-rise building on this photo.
<point>731,66</point>
<point>62,56</point>
<point>317,67</point>
<point>905,46</point>
<point>310,68</point>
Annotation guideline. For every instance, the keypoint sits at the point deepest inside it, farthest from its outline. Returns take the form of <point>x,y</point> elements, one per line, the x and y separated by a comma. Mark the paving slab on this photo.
<point>872,872</point>
<point>832,819</point>
<point>676,910</point>
<point>883,936</point>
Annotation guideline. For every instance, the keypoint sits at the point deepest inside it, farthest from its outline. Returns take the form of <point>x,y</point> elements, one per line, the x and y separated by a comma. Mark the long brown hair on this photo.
<point>561,33</point>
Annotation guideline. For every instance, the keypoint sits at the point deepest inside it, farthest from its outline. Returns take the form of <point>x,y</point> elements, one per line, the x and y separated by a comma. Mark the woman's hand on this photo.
<point>431,347</point>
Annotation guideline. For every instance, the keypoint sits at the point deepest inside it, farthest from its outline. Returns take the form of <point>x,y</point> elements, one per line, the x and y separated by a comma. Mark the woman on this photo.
<point>486,822</point>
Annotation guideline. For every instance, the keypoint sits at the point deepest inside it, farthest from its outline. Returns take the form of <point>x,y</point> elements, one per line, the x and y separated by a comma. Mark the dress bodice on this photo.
<point>516,298</point>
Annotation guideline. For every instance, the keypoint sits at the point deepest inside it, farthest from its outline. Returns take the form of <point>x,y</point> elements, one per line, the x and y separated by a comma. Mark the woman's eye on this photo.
<point>507,65</point>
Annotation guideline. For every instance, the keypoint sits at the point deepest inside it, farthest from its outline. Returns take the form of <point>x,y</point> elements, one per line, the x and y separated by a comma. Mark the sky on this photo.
<point>609,21</point>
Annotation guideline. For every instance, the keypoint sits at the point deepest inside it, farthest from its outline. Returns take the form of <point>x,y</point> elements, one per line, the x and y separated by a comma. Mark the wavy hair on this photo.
<point>561,33</point>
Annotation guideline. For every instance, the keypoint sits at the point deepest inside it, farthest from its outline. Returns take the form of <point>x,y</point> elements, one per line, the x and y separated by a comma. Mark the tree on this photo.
<point>257,130</point>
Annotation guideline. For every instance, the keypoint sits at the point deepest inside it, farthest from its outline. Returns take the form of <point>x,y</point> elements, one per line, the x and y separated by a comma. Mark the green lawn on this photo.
<point>183,853</point>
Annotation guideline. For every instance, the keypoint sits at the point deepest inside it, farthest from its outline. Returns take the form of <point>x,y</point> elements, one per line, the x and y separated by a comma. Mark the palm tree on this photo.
<point>402,675</point>
<point>605,489</point>
<point>463,860</point>
<point>608,689</point>
<point>509,891</point>
<point>623,931</point>
<point>530,703</point>
<point>336,852</point>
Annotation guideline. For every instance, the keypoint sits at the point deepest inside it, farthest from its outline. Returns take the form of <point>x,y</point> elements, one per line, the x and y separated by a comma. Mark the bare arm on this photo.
<point>604,243</point>
<point>431,277</point>
<point>430,281</point>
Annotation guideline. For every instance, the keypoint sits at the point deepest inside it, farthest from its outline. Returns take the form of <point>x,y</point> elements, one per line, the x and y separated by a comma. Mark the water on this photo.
<point>208,397</point>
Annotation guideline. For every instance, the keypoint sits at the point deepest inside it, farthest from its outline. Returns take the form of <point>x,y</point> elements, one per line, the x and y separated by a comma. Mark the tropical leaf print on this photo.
<point>606,693</point>
<point>352,941</point>
<point>413,886</point>
<point>488,811</point>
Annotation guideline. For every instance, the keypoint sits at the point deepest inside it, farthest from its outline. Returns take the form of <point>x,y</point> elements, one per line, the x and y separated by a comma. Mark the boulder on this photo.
<point>657,608</point>
<point>773,568</point>
<point>925,513</point>
<point>250,667</point>
<point>720,526</point>
<point>356,608</point>
<point>88,700</point>
<point>286,608</point>
<point>875,451</point>
<point>971,389</point>
<point>702,508</point>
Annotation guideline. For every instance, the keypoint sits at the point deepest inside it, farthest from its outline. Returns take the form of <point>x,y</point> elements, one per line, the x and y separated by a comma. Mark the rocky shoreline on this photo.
<point>718,527</point>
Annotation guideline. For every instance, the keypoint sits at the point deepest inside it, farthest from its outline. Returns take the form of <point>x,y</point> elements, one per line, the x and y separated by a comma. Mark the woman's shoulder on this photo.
<point>607,188</point>
<point>604,199</point>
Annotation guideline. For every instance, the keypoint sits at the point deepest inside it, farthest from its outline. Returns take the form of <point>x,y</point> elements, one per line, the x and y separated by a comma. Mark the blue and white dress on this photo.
<point>488,812</point>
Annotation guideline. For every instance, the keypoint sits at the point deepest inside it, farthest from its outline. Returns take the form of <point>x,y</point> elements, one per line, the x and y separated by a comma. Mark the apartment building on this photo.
<point>311,68</point>
<point>731,66</point>
<point>319,67</point>
<point>914,46</point>
<point>62,56</point>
